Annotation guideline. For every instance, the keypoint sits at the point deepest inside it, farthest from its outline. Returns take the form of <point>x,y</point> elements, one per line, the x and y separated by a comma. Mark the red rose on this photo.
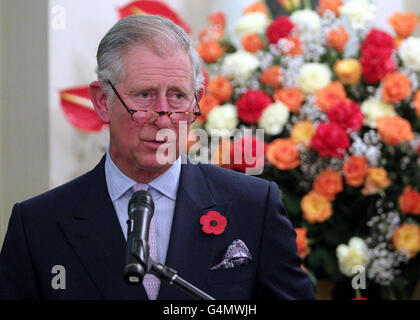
<point>347,115</point>
<point>251,105</point>
<point>248,153</point>
<point>330,140</point>
<point>378,39</point>
<point>360,298</point>
<point>376,63</point>
<point>213,222</point>
<point>279,28</point>
<point>376,56</point>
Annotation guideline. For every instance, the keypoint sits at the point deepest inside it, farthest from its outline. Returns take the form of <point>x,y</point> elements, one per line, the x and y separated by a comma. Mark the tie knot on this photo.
<point>141,186</point>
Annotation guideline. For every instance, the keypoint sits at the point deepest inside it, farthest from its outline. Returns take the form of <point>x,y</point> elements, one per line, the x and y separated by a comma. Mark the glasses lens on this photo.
<point>144,116</point>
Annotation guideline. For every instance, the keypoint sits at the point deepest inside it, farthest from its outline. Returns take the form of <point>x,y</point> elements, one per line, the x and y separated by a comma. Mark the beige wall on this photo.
<point>23,103</point>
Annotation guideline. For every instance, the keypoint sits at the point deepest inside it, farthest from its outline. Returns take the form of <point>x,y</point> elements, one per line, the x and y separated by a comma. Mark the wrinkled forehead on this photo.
<point>164,51</point>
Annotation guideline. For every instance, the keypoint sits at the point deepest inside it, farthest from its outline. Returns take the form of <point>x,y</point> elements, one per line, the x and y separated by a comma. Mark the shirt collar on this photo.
<point>118,183</point>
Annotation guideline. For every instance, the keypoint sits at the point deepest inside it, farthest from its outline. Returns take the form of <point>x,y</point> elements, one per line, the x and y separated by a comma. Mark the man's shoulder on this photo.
<point>65,194</point>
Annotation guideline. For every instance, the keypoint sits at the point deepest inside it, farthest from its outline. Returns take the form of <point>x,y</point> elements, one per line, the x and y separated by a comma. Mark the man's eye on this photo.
<point>179,96</point>
<point>144,95</point>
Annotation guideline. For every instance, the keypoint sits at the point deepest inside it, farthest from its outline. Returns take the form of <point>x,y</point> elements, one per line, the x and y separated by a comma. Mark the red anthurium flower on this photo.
<point>213,222</point>
<point>153,7</point>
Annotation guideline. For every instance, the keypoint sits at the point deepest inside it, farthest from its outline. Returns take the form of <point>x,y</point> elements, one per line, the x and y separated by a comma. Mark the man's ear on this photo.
<point>99,98</point>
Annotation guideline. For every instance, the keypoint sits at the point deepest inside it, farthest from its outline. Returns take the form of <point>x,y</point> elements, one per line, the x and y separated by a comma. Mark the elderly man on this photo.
<point>70,242</point>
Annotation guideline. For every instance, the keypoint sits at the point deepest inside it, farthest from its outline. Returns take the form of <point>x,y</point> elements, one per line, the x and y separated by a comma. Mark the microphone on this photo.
<point>140,212</point>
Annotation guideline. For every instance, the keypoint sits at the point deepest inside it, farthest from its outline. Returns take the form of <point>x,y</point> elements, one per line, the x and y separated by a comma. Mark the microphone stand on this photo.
<point>170,276</point>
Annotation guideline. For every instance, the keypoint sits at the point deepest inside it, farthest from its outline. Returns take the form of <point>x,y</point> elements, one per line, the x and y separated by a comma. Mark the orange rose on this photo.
<point>397,87</point>
<point>252,43</point>
<point>283,153</point>
<point>409,201</point>
<point>222,156</point>
<point>221,88</point>
<point>301,242</point>
<point>394,130</point>
<point>256,7</point>
<point>417,103</point>
<point>349,71</point>
<point>316,207</point>
<point>403,23</point>
<point>292,97</point>
<point>407,238</point>
<point>355,170</point>
<point>332,5</point>
<point>207,103</point>
<point>210,51</point>
<point>337,38</point>
<point>376,181</point>
<point>328,183</point>
<point>271,77</point>
<point>302,132</point>
<point>329,96</point>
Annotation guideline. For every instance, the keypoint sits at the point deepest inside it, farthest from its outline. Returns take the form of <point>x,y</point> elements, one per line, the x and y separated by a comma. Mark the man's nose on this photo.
<point>163,121</point>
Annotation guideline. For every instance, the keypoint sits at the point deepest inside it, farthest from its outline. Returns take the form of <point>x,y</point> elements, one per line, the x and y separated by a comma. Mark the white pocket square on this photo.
<point>236,255</point>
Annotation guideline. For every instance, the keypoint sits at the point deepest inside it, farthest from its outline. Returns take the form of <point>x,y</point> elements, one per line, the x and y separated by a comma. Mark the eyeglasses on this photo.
<point>175,100</point>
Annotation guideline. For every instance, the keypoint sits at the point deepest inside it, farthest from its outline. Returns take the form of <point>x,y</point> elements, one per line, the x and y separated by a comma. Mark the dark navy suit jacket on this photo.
<point>75,226</point>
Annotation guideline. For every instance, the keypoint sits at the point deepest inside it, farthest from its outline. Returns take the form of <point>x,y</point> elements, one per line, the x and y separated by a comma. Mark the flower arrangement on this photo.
<point>339,102</point>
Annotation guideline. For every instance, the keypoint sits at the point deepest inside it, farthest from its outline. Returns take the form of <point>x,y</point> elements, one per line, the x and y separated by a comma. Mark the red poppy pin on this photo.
<point>213,222</point>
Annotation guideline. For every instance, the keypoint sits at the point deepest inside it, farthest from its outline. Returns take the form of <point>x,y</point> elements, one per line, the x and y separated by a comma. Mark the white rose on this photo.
<point>306,20</point>
<point>351,255</point>
<point>255,22</point>
<point>410,53</point>
<point>221,120</point>
<point>239,65</point>
<point>360,13</point>
<point>313,76</point>
<point>373,109</point>
<point>274,118</point>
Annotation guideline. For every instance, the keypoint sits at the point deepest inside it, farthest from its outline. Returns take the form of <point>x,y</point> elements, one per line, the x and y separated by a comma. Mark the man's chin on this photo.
<point>156,163</point>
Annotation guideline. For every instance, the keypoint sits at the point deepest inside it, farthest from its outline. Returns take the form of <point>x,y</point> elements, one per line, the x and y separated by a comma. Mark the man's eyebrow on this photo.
<point>136,90</point>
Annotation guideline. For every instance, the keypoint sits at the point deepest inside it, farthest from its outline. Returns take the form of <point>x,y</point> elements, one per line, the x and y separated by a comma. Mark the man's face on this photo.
<point>133,146</point>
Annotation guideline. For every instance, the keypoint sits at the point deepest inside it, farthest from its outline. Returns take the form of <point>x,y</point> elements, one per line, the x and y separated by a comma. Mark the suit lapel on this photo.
<point>190,250</point>
<point>94,232</point>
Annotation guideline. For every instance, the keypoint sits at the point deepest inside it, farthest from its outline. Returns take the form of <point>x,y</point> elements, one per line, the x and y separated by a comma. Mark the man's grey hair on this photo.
<point>160,35</point>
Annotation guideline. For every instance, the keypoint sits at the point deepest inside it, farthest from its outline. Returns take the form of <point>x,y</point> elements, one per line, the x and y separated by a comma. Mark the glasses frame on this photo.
<point>159,113</point>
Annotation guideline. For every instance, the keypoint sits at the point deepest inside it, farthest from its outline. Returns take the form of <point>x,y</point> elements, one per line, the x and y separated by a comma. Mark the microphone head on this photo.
<point>141,198</point>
